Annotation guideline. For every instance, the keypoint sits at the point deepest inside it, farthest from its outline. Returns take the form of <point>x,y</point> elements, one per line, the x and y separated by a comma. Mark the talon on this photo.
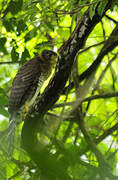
<point>26,110</point>
<point>25,115</point>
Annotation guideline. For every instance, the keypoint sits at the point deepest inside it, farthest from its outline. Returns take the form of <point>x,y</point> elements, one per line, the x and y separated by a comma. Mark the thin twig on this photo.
<point>10,62</point>
<point>103,164</point>
<point>90,98</point>
<point>94,45</point>
<point>108,17</point>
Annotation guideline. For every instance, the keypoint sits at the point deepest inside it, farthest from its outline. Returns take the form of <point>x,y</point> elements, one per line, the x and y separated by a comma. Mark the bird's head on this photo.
<point>49,57</point>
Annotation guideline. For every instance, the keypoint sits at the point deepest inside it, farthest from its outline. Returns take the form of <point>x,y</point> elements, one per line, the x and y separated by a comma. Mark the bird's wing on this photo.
<point>24,82</point>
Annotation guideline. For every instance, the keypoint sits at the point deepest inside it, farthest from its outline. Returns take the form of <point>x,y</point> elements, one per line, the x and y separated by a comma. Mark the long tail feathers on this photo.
<point>11,135</point>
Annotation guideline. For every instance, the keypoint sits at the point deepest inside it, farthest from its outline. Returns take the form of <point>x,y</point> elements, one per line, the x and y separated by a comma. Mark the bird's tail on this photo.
<point>11,134</point>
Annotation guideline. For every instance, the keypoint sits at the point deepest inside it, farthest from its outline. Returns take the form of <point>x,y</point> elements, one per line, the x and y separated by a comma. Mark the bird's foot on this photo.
<point>26,110</point>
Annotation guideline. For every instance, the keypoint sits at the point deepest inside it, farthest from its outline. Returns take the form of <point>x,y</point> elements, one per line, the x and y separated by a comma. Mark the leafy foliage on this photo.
<point>28,27</point>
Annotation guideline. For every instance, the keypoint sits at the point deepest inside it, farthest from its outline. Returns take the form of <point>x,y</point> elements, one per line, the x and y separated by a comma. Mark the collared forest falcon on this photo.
<point>28,81</point>
<point>29,77</point>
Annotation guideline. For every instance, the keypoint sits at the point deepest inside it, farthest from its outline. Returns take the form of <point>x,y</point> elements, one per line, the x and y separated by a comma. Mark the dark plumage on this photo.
<point>28,78</point>
<point>26,86</point>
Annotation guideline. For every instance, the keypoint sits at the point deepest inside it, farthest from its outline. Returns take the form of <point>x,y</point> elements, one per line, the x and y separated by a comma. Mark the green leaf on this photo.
<point>49,26</point>
<point>2,173</point>
<point>114,4</point>
<point>92,10</point>
<point>14,55</point>
<point>30,34</point>
<point>3,100</point>
<point>101,7</point>
<point>25,55</point>
<point>7,25</point>
<point>15,6</point>
<point>10,24</point>
<point>2,43</point>
<point>1,90</point>
<point>21,26</point>
<point>27,37</point>
<point>42,44</point>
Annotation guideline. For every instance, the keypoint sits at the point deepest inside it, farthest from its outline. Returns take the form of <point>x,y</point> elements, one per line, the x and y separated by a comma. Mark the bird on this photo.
<point>26,87</point>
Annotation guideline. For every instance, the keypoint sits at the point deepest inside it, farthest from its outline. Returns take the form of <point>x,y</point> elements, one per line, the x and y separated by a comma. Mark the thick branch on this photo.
<point>109,45</point>
<point>67,53</point>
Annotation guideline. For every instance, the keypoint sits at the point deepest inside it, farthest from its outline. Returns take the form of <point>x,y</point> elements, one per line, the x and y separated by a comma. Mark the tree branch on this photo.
<point>109,45</point>
<point>44,159</point>
<point>94,45</point>
<point>105,134</point>
<point>10,62</point>
<point>108,17</point>
<point>103,164</point>
<point>90,98</point>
